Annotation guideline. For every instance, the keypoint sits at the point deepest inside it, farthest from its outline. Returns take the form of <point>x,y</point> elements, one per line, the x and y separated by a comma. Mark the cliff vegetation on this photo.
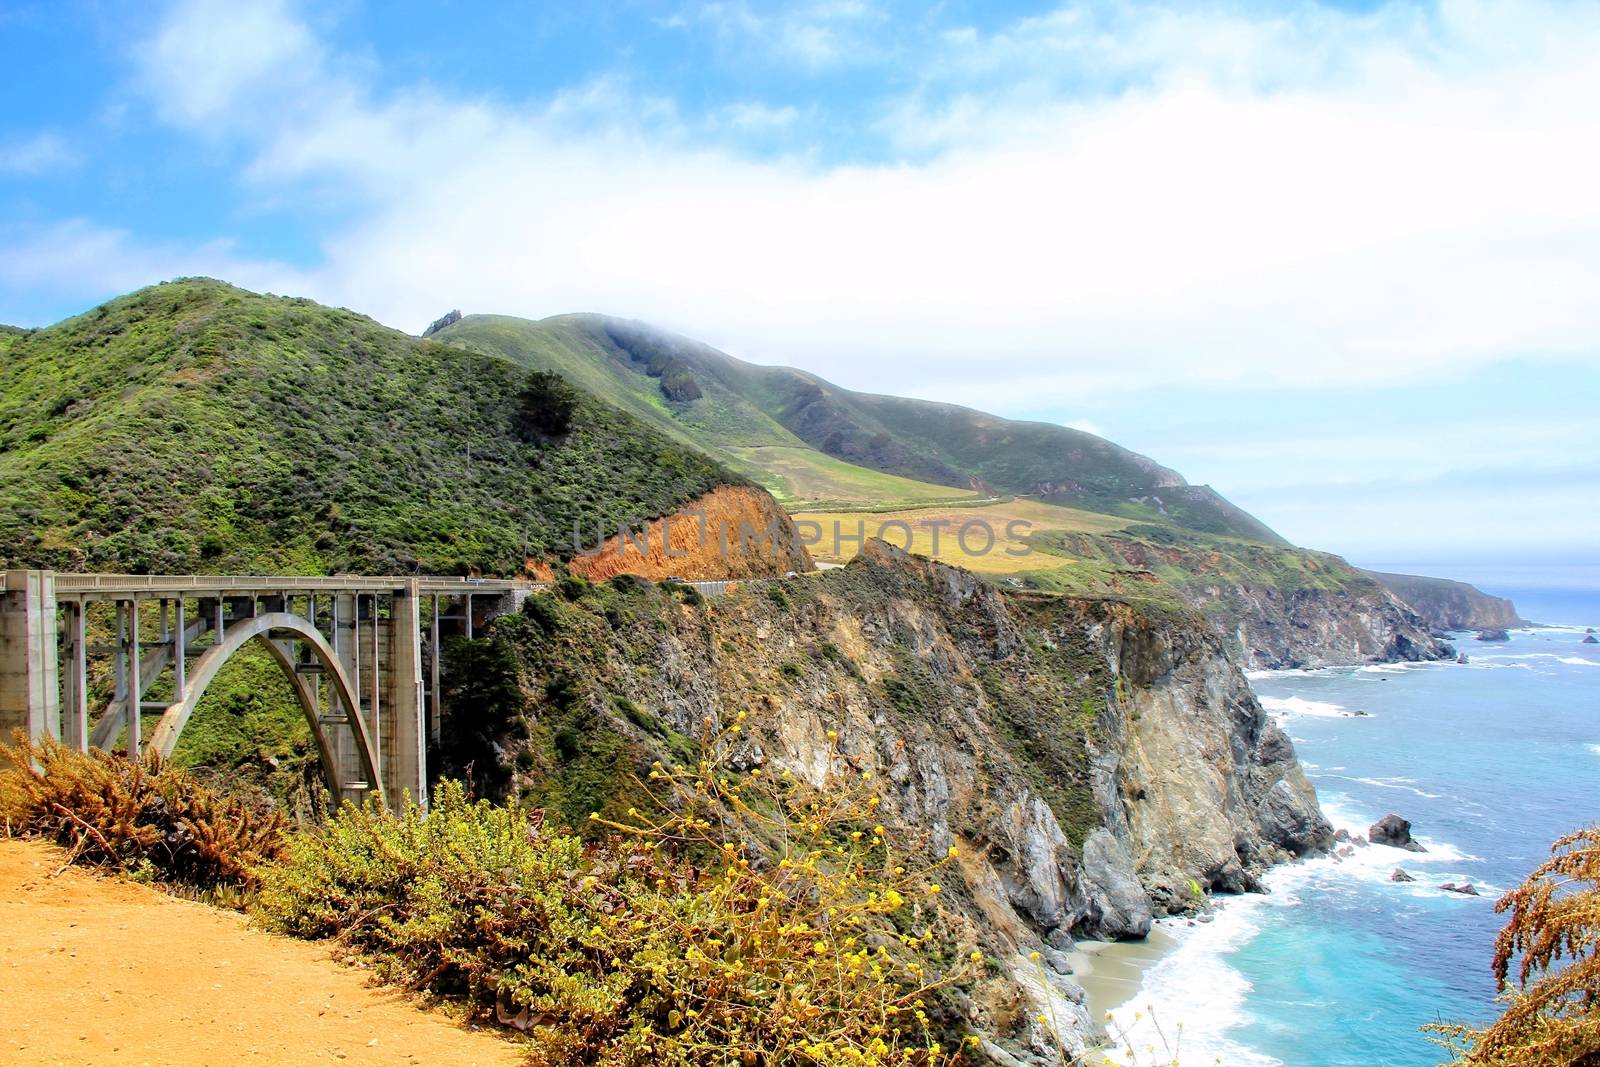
<point>195,427</point>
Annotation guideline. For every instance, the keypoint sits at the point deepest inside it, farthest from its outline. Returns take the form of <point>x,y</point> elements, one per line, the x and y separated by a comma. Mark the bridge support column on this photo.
<point>30,683</point>
<point>75,725</point>
<point>403,738</point>
<point>345,636</point>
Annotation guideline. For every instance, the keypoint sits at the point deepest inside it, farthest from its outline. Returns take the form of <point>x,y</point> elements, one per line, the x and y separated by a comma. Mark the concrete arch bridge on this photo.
<point>360,653</point>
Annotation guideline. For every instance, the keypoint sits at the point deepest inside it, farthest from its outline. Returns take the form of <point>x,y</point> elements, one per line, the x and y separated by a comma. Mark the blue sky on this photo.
<point>1338,260</point>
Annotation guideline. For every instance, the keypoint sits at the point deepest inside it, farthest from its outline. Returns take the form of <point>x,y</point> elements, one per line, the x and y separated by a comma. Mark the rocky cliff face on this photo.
<point>1095,761</point>
<point>1447,605</point>
<point>734,531</point>
<point>1276,606</point>
<point>1274,628</point>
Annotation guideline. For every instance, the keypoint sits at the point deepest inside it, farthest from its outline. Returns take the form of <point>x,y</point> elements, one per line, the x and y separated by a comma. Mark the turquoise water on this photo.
<point>1339,966</point>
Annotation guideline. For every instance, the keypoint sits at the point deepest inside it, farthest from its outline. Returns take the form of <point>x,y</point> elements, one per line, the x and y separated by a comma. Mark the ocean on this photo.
<point>1339,966</point>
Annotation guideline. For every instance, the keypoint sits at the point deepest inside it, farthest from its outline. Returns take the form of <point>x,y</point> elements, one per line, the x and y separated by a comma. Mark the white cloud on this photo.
<point>756,117</point>
<point>43,153</point>
<point>1324,198</point>
<point>76,256</point>
<point>209,58</point>
<point>1376,521</point>
<point>815,35</point>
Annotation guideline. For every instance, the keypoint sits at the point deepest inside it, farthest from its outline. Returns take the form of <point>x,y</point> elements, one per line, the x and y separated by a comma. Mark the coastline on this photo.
<point>1314,958</point>
<point>1112,972</point>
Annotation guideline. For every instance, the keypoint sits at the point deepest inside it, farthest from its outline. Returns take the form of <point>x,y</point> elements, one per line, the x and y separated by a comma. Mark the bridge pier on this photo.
<point>404,739</point>
<point>30,695</point>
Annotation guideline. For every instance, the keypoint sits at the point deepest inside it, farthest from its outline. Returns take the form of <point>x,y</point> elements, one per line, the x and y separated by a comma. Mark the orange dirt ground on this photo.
<point>99,971</point>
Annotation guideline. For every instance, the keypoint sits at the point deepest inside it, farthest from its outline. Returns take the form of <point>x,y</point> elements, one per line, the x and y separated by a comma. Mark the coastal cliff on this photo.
<point>1274,606</point>
<point>1449,605</point>
<point>1097,763</point>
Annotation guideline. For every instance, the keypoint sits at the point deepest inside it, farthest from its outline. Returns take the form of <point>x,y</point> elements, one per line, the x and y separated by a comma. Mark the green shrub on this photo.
<point>142,816</point>
<point>727,929</point>
<point>482,700</point>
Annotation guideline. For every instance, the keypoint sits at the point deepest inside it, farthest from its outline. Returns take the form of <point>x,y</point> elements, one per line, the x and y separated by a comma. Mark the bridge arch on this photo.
<point>262,628</point>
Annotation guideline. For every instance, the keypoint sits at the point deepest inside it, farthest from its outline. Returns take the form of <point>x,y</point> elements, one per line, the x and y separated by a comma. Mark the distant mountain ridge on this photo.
<point>728,407</point>
<point>1445,604</point>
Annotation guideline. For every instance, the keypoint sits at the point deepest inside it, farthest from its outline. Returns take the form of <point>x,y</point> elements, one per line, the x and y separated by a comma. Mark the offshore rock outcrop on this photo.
<point>1096,762</point>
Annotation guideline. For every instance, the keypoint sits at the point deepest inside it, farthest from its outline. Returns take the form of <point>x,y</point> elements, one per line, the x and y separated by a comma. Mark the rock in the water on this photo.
<point>1395,832</point>
<point>1589,639</point>
<point>1348,850</point>
<point>1493,635</point>
<point>1341,836</point>
<point>1465,888</point>
<point>1399,875</point>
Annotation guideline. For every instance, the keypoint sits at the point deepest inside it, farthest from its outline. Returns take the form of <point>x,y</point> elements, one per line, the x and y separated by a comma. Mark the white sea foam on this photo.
<point>1595,749</point>
<point>1283,672</point>
<point>1527,660</point>
<point>1386,857</point>
<point>1195,983</point>
<point>1406,785</point>
<point>1286,708</point>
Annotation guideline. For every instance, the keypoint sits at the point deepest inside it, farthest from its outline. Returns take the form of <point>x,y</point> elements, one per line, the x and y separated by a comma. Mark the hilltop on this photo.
<point>1099,520</point>
<point>194,426</point>
<point>801,435</point>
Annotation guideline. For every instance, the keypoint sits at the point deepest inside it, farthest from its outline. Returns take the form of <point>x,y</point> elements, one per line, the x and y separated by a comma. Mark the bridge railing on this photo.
<point>70,583</point>
<point>256,583</point>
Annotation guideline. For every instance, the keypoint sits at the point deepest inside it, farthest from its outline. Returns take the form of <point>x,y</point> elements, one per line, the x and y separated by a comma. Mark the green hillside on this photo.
<point>194,426</point>
<point>783,427</point>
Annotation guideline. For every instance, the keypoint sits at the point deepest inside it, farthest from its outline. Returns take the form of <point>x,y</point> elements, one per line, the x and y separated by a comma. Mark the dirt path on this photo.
<point>99,971</point>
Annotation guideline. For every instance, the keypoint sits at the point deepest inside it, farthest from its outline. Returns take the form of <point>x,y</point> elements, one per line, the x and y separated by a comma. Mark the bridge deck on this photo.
<point>93,586</point>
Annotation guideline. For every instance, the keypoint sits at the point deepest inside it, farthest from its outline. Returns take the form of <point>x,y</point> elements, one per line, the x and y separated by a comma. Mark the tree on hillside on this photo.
<point>1552,1013</point>
<point>545,407</point>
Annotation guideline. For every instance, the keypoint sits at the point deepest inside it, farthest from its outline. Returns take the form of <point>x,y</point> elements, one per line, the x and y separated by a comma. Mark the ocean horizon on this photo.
<point>1338,965</point>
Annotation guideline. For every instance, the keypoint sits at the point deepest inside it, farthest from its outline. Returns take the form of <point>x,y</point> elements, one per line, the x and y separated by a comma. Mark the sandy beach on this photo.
<point>1111,971</point>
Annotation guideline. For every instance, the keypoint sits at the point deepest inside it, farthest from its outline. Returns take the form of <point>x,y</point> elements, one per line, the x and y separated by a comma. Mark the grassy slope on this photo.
<point>197,427</point>
<point>721,422</point>
<point>747,411</point>
<point>1007,555</point>
<point>1138,532</point>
